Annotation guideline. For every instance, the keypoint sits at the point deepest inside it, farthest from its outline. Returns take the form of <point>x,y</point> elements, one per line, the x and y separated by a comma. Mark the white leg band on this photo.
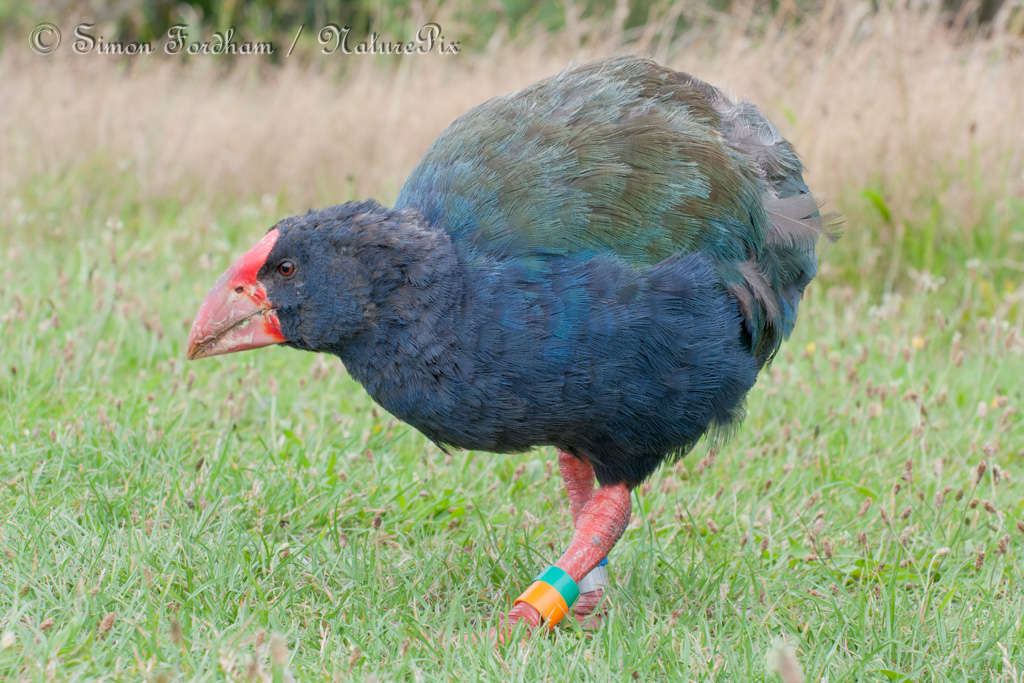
<point>596,579</point>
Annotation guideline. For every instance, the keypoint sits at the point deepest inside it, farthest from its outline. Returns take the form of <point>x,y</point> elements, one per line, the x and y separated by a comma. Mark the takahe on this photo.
<point>601,262</point>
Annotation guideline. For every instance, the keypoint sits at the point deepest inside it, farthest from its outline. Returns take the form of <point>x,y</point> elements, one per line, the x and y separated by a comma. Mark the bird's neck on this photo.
<point>417,290</point>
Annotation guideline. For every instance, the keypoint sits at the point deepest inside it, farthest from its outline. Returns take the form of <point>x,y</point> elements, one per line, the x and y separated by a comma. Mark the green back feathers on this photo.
<point>622,155</point>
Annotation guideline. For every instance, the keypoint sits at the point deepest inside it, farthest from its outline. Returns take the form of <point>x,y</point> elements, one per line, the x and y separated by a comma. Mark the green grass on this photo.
<point>257,514</point>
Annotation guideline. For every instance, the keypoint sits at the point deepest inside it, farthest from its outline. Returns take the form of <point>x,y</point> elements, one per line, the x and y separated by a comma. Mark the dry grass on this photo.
<point>895,101</point>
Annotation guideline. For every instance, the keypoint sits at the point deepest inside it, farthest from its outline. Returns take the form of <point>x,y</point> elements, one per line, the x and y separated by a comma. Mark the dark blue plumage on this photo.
<point>601,262</point>
<point>595,358</point>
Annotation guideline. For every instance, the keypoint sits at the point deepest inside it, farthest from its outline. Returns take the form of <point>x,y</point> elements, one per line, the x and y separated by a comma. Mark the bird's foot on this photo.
<point>589,610</point>
<point>520,614</point>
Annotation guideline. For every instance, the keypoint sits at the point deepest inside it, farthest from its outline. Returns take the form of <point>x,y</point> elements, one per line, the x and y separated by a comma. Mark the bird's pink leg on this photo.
<point>598,528</point>
<point>578,476</point>
<point>599,525</point>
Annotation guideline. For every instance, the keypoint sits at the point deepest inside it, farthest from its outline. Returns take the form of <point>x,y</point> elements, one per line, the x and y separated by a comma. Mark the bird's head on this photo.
<point>305,285</point>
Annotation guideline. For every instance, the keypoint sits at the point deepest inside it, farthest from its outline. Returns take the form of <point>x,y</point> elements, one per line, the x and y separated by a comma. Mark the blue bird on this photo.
<point>601,262</point>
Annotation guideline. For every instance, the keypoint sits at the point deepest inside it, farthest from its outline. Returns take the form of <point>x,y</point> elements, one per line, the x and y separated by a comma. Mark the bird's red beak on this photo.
<point>236,315</point>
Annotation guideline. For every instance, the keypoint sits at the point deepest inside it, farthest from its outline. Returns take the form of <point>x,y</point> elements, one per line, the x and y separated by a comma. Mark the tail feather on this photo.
<point>788,259</point>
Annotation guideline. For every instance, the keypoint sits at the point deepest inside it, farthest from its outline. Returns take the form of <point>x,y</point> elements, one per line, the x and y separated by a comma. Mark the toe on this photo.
<point>590,609</point>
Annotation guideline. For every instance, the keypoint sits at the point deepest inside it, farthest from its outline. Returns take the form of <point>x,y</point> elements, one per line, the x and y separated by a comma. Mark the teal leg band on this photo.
<point>561,582</point>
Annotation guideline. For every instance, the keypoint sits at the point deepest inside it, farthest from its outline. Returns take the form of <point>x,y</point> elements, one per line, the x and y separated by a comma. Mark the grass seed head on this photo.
<point>997,472</point>
<point>979,560</point>
<point>175,631</point>
<point>940,496</point>
<point>782,660</point>
<point>819,527</point>
<point>1004,544</point>
<point>278,650</point>
<point>108,622</point>
<point>253,671</point>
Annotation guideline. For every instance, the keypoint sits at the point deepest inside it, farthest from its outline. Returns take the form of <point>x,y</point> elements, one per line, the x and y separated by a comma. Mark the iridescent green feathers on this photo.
<point>624,156</point>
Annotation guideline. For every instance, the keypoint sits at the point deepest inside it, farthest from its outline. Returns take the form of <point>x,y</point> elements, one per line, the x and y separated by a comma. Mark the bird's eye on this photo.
<point>286,268</point>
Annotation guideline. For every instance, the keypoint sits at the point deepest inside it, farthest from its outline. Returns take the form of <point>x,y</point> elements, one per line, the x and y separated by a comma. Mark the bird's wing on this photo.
<point>622,155</point>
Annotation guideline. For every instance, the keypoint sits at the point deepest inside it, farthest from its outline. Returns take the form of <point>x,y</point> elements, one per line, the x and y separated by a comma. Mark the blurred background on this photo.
<point>909,115</point>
